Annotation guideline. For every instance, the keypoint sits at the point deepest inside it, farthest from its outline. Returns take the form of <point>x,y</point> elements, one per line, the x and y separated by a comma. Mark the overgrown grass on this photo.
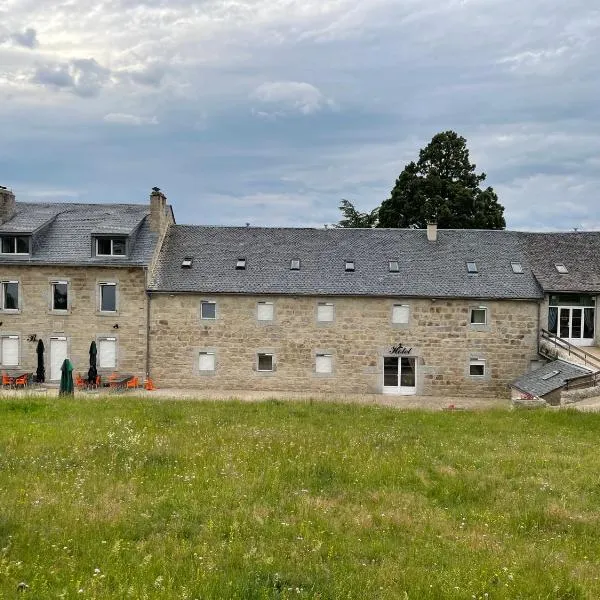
<point>126,498</point>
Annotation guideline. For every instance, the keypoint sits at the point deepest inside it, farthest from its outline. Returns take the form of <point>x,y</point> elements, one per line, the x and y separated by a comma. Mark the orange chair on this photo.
<point>132,383</point>
<point>79,382</point>
<point>112,380</point>
<point>7,381</point>
<point>21,381</point>
<point>149,385</point>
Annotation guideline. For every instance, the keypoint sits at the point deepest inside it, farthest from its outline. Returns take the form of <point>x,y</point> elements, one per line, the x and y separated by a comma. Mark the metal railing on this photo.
<point>589,360</point>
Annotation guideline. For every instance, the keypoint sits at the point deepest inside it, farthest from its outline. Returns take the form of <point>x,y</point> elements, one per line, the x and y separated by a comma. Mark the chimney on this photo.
<point>158,210</point>
<point>432,232</point>
<point>7,204</point>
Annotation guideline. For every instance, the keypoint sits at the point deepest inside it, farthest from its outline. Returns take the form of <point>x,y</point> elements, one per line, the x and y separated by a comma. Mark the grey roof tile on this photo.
<point>427,269</point>
<point>67,236</point>
<point>534,383</point>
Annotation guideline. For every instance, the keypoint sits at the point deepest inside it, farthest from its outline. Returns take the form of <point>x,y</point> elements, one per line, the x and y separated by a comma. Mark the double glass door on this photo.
<point>574,324</point>
<point>399,375</point>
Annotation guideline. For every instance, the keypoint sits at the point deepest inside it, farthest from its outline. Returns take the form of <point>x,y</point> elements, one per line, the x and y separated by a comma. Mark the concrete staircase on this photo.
<point>552,347</point>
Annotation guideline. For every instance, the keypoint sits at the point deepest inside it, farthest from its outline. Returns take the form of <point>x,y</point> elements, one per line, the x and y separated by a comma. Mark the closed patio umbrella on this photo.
<point>66,379</point>
<point>41,370</point>
<point>93,371</point>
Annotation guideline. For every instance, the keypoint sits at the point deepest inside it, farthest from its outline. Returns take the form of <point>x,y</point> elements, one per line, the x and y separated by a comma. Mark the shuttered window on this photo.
<point>325,311</point>
<point>10,350</point>
<point>207,361</point>
<point>107,353</point>
<point>400,313</point>
<point>264,311</point>
<point>323,363</point>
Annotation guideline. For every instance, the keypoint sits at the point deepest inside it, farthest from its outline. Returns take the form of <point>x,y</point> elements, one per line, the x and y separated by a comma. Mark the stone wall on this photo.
<point>83,321</point>
<point>439,335</point>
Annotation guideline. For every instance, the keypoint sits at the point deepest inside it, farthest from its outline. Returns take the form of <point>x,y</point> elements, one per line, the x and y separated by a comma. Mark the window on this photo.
<point>394,266</point>
<point>240,265</point>
<point>479,316</point>
<point>206,362</point>
<point>517,268</point>
<point>60,298</point>
<point>323,363</point>
<point>560,267</point>
<point>108,297</point>
<point>472,267</point>
<point>111,246</point>
<point>107,353</point>
<point>10,295</point>
<point>9,350</point>
<point>295,264</point>
<point>265,362</point>
<point>208,309</point>
<point>400,313</point>
<point>15,244</point>
<point>186,263</point>
<point>264,311</point>
<point>349,266</point>
<point>477,367</point>
<point>325,312</point>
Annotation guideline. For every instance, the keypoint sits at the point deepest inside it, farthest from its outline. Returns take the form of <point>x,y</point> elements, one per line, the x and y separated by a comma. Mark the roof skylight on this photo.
<point>240,265</point>
<point>517,268</point>
<point>560,267</point>
<point>472,267</point>
<point>394,266</point>
<point>295,264</point>
<point>550,375</point>
<point>186,263</point>
<point>349,266</point>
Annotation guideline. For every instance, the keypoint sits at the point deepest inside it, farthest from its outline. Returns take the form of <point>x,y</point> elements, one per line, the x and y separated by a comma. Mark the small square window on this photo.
<point>472,267</point>
<point>400,313</point>
<point>325,311</point>
<point>10,295</point>
<point>295,264</point>
<point>265,362</point>
<point>323,363</point>
<point>264,311</point>
<point>479,315</point>
<point>517,268</point>
<point>240,265</point>
<point>349,266</point>
<point>394,266</point>
<point>206,361</point>
<point>186,263</point>
<point>560,267</point>
<point>208,309</point>
<point>477,367</point>
<point>108,297</point>
<point>60,295</point>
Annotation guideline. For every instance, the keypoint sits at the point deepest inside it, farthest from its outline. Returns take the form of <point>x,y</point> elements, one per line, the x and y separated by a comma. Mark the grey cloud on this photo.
<point>151,75</point>
<point>83,77</point>
<point>27,38</point>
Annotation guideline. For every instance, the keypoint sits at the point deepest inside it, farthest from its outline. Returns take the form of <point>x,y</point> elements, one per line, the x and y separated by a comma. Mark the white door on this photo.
<point>399,375</point>
<point>58,353</point>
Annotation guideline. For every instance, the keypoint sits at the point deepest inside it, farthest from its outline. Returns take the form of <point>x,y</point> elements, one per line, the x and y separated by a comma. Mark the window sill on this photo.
<point>11,311</point>
<point>106,313</point>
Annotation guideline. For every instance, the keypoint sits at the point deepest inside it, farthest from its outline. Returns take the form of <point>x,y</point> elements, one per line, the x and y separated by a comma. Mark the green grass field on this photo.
<point>126,498</point>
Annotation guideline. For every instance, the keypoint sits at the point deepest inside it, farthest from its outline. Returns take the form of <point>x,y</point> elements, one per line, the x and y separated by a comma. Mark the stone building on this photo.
<point>71,274</point>
<point>380,311</point>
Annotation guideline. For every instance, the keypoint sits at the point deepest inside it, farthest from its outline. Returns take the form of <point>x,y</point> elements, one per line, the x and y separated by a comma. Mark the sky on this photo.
<point>269,112</point>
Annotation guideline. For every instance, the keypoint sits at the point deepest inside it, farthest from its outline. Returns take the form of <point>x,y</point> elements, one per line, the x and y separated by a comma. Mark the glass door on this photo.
<point>572,323</point>
<point>399,375</point>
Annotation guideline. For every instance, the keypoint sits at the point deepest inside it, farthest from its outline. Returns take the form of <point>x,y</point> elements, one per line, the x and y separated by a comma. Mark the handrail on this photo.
<point>577,351</point>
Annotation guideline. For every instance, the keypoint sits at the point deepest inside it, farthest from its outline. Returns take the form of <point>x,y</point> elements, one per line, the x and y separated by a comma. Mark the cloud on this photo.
<point>27,39</point>
<point>127,119</point>
<point>150,75</point>
<point>288,97</point>
<point>83,77</point>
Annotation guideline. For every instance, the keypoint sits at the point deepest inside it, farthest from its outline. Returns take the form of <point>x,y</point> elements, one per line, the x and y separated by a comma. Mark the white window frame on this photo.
<point>475,362</point>
<point>10,337</point>
<point>213,356</point>
<point>258,355</point>
<point>112,240</point>
<point>59,282</point>
<point>105,339</point>
<point>207,302</point>
<point>320,315</point>
<point>475,309</point>
<point>406,309</point>
<point>326,359</point>
<point>102,284</point>
<point>14,239</point>
<point>265,303</point>
<point>3,296</point>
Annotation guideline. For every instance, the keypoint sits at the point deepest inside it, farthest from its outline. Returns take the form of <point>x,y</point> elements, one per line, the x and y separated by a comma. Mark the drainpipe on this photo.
<point>539,315</point>
<point>148,296</point>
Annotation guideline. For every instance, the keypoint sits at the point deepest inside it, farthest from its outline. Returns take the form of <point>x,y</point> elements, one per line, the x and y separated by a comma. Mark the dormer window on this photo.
<point>15,244</point>
<point>560,267</point>
<point>109,246</point>
<point>240,265</point>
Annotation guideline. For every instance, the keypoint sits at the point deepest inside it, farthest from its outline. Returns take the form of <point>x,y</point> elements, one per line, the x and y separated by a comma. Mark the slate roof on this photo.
<point>65,230</point>
<point>578,251</point>
<point>534,384</point>
<point>427,269</point>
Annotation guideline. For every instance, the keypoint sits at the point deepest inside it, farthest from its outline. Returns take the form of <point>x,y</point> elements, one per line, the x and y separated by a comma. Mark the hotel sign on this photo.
<point>400,350</point>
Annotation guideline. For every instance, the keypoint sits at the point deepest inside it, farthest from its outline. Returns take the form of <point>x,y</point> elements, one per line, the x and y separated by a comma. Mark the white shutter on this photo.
<point>265,311</point>
<point>58,353</point>
<point>400,313</point>
<point>323,363</point>
<point>107,352</point>
<point>325,312</point>
<point>10,351</point>
<point>207,361</point>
